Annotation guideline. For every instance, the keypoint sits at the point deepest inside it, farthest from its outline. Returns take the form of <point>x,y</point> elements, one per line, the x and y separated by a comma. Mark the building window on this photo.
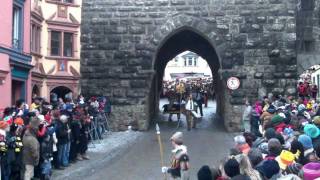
<point>189,61</point>
<point>67,1</point>
<point>64,1</point>
<point>62,44</point>
<point>17,27</point>
<point>195,62</point>
<point>67,45</point>
<point>55,43</point>
<point>185,62</point>
<point>35,38</point>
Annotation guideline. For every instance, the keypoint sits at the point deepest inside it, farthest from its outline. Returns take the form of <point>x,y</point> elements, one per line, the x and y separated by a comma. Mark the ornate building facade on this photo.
<point>15,59</point>
<point>187,65</point>
<point>55,47</point>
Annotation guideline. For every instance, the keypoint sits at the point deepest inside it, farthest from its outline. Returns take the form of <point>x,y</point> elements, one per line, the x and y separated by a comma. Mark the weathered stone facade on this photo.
<point>127,43</point>
<point>308,34</point>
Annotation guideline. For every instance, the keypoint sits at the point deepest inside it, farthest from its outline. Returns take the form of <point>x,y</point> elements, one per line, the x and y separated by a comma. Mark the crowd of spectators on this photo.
<point>36,138</point>
<point>280,140</point>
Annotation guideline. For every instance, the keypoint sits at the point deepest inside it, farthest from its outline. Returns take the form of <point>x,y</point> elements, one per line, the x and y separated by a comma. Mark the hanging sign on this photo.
<point>233,83</point>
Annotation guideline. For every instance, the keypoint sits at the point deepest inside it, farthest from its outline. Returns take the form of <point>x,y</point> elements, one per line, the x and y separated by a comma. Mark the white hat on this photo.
<point>240,139</point>
<point>177,137</point>
<point>63,118</point>
<point>41,118</point>
<point>282,115</point>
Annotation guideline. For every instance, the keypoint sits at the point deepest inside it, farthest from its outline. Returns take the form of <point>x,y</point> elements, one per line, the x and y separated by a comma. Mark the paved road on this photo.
<point>207,144</point>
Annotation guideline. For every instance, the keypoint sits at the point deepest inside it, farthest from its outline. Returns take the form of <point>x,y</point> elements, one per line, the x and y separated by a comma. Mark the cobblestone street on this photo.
<point>140,160</point>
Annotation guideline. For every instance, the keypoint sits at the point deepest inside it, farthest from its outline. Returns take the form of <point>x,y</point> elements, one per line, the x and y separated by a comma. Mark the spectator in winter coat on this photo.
<point>84,134</point>
<point>14,152</point>
<point>75,140</point>
<point>5,166</point>
<point>31,150</point>
<point>46,156</point>
<point>63,134</point>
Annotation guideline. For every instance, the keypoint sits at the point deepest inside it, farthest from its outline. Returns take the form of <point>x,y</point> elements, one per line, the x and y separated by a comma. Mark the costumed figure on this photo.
<point>180,160</point>
<point>189,113</point>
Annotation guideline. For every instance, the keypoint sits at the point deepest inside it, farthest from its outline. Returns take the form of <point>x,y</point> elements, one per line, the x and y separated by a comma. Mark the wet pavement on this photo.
<point>140,160</point>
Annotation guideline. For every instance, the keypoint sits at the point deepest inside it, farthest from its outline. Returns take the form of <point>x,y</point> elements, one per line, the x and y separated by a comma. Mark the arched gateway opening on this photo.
<point>183,39</point>
<point>62,92</point>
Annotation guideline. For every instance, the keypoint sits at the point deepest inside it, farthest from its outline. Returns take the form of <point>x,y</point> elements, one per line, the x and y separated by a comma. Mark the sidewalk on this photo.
<point>113,145</point>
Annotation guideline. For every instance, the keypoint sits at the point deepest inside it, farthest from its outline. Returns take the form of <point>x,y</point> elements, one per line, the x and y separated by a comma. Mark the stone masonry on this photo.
<point>254,40</point>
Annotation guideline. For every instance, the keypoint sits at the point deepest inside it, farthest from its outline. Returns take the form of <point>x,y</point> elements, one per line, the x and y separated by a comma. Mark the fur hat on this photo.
<point>177,138</point>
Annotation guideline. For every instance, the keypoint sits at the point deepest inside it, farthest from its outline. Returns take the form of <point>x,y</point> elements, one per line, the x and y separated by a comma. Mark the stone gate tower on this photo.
<point>127,43</point>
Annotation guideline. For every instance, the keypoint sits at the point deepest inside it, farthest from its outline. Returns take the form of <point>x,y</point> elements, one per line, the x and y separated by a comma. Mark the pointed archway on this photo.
<point>180,40</point>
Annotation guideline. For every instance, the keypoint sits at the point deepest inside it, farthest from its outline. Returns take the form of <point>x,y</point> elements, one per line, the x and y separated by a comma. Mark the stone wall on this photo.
<point>254,40</point>
<point>308,34</point>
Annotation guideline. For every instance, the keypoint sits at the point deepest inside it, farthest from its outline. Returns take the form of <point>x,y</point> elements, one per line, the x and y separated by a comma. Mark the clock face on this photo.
<point>233,83</point>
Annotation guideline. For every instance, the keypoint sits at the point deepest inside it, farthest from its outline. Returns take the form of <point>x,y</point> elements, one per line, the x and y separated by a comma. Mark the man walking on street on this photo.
<point>189,109</point>
<point>199,100</point>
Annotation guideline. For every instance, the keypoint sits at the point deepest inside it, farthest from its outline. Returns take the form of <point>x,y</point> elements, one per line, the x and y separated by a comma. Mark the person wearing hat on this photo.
<point>314,132</point>
<point>231,168</point>
<point>31,150</point>
<point>63,134</point>
<point>316,121</point>
<point>311,171</point>
<point>269,169</point>
<point>294,168</point>
<point>306,141</point>
<point>295,147</point>
<point>267,115</point>
<point>274,148</point>
<point>286,158</point>
<point>5,168</point>
<point>180,159</point>
<point>205,173</point>
<point>241,144</point>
